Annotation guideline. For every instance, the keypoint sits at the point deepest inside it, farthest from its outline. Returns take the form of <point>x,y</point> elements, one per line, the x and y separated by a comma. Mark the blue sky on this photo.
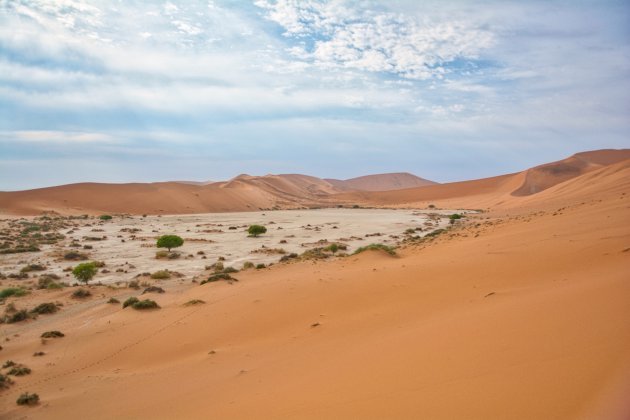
<point>121,91</point>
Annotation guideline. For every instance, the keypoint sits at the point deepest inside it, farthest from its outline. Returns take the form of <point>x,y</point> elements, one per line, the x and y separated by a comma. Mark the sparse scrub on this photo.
<point>18,316</point>
<point>28,399</point>
<point>194,302</point>
<point>288,257</point>
<point>105,217</point>
<point>161,275</point>
<point>217,277</point>
<point>153,289</point>
<point>81,293</point>
<point>145,304</point>
<point>13,292</point>
<point>113,300</point>
<point>5,381</point>
<point>74,256</point>
<point>247,265</point>
<point>53,334</point>
<point>130,301</point>
<point>378,247</point>
<point>45,308</point>
<point>32,267</point>
<point>19,370</point>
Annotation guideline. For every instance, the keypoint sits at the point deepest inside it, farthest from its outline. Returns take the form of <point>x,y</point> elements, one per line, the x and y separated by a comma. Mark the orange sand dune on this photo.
<point>520,317</point>
<point>498,192</point>
<point>381,182</point>
<point>246,193</point>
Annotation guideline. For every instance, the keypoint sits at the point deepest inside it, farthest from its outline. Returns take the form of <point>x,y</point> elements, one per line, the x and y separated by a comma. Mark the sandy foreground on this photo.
<point>518,313</point>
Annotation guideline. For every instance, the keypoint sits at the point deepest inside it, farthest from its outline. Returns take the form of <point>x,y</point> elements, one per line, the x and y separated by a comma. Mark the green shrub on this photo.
<point>255,230</point>
<point>8,364</point>
<point>153,289</point>
<point>130,301</point>
<point>13,291</point>
<point>217,277</point>
<point>81,293</point>
<point>45,308</point>
<point>113,300</point>
<point>84,272</point>
<point>169,241</point>
<point>105,217</point>
<point>28,399</point>
<point>53,334</point>
<point>455,216</point>
<point>161,275</point>
<point>390,250</point>
<point>145,304</point>
<point>260,266</point>
<point>194,302</point>
<point>288,257</point>
<point>249,265</point>
<point>228,270</point>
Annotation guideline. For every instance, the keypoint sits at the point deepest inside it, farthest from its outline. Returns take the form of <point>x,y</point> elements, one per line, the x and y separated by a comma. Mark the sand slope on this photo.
<point>516,317</point>
<point>506,191</point>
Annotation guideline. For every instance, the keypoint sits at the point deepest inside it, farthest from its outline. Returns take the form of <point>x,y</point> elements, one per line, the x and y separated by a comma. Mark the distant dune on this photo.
<point>381,182</point>
<point>289,191</point>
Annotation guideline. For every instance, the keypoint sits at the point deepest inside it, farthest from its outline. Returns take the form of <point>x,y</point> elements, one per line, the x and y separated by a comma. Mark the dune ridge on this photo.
<point>290,191</point>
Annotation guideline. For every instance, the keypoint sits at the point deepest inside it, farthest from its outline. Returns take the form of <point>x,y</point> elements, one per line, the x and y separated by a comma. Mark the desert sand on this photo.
<point>518,312</point>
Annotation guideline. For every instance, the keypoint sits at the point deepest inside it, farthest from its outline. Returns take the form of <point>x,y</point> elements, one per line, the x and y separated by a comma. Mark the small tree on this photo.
<point>84,272</point>
<point>255,230</point>
<point>169,241</point>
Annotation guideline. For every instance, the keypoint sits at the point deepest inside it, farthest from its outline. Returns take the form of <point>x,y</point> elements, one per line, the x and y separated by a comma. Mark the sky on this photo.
<point>143,91</point>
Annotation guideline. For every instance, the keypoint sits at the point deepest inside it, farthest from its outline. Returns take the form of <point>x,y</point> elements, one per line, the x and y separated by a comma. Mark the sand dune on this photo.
<point>289,191</point>
<point>381,182</point>
<point>521,317</point>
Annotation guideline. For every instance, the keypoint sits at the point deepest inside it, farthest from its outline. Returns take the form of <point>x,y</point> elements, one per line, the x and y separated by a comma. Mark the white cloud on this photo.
<point>376,41</point>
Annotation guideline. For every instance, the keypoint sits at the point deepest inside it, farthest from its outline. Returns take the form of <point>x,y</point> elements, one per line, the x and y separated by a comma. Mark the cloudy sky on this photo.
<point>118,91</point>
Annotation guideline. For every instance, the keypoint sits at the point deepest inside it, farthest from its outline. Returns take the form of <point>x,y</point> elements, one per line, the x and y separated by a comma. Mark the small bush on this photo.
<point>169,241</point>
<point>228,270</point>
<point>74,256</point>
<point>260,266</point>
<point>45,308</point>
<point>53,334</point>
<point>113,300</point>
<point>194,302</point>
<point>381,247</point>
<point>28,399</point>
<point>13,292</point>
<point>18,316</point>
<point>19,370</point>
<point>84,272</point>
<point>105,217</point>
<point>32,267</point>
<point>44,281</point>
<point>288,257</point>
<point>435,233</point>
<point>217,277</point>
<point>130,301</point>
<point>8,364</point>
<point>5,382</point>
<point>161,275</point>
<point>145,304</point>
<point>255,230</point>
<point>249,265</point>
<point>81,293</point>
<point>133,284</point>
<point>153,289</point>
<point>161,254</point>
